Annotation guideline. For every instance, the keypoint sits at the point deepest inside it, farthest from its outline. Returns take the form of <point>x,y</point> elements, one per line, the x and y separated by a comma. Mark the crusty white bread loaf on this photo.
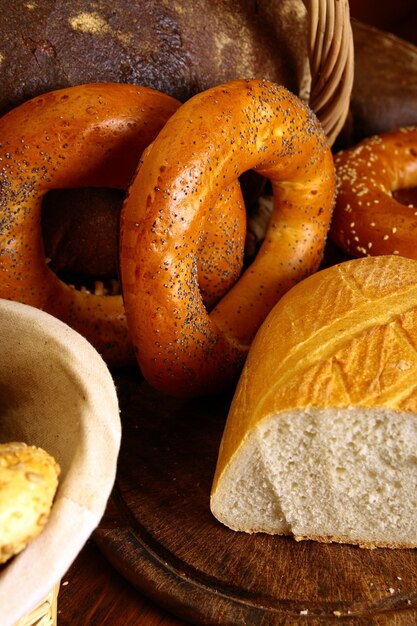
<point>28,482</point>
<point>321,438</point>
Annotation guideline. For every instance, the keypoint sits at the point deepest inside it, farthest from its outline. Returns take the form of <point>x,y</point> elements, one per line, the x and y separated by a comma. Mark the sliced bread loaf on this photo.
<point>321,438</point>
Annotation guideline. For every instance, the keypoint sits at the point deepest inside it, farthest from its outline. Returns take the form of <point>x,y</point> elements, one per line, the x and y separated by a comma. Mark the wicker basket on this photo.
<point>331,62</point>
<point>45,614</point>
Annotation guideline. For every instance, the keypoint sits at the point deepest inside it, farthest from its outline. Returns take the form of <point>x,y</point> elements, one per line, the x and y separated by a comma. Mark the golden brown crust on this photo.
<point>368,220</point>
<point>205,146</point>
<point>28,482</point>
<point>221,250</point>
<point>364,301</point>
<point>354,353</point>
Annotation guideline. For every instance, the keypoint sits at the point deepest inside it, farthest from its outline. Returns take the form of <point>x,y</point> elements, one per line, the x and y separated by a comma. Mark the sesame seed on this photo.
<point>34,477</point>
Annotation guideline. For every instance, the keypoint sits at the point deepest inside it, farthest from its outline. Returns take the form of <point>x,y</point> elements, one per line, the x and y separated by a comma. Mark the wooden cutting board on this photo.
<point>159,533</point>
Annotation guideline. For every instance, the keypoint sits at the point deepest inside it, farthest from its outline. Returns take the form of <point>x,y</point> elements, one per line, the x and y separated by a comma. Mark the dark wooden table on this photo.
<point>93,593</point>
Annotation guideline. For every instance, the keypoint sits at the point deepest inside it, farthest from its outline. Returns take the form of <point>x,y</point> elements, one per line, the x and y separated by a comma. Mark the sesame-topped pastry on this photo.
<point>368,218</point>
<point>28,482</point>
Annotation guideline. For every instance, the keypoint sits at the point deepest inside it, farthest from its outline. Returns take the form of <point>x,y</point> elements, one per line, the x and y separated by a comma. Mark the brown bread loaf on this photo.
<point>184,47</point>
<point>179,47</point>
<point>384,95</point>
<point>81,237</point>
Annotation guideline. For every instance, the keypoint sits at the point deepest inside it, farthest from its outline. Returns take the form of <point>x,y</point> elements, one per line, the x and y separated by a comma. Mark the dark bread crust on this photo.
<point>179,47</point>
<point>384,95</point>
<point>81,230</point>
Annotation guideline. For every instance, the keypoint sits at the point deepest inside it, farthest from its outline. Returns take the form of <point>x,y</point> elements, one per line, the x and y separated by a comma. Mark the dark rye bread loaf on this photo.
<point>384,95</point>
<point>179,47</point>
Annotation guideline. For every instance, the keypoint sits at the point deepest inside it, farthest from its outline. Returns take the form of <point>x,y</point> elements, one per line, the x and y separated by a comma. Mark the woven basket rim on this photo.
<point>331,59</point>
<point>45,613</point>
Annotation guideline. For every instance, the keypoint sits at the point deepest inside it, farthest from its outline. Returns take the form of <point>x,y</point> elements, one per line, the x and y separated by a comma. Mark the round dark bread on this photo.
<point>384,95</point>
<point>177,47</point>
<point>80,230</point>
<point>184,47</point>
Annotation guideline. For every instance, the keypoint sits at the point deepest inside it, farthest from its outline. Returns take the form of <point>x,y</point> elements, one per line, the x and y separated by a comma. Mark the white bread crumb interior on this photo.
<point>321,437</point>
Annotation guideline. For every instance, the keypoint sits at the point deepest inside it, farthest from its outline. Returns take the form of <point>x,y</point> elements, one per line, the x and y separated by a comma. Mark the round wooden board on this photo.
<point>158,531</point>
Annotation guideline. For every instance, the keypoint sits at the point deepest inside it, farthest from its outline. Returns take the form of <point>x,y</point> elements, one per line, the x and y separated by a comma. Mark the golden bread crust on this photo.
<point>28,482</point>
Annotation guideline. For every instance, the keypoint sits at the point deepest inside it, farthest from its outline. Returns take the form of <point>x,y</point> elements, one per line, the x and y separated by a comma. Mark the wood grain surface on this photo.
<point>93,593</point>
<point>158,532</point>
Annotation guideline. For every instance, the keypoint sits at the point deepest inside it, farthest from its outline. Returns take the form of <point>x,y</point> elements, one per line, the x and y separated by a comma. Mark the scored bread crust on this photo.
<point>343,339</point>
<point>28,482</point>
